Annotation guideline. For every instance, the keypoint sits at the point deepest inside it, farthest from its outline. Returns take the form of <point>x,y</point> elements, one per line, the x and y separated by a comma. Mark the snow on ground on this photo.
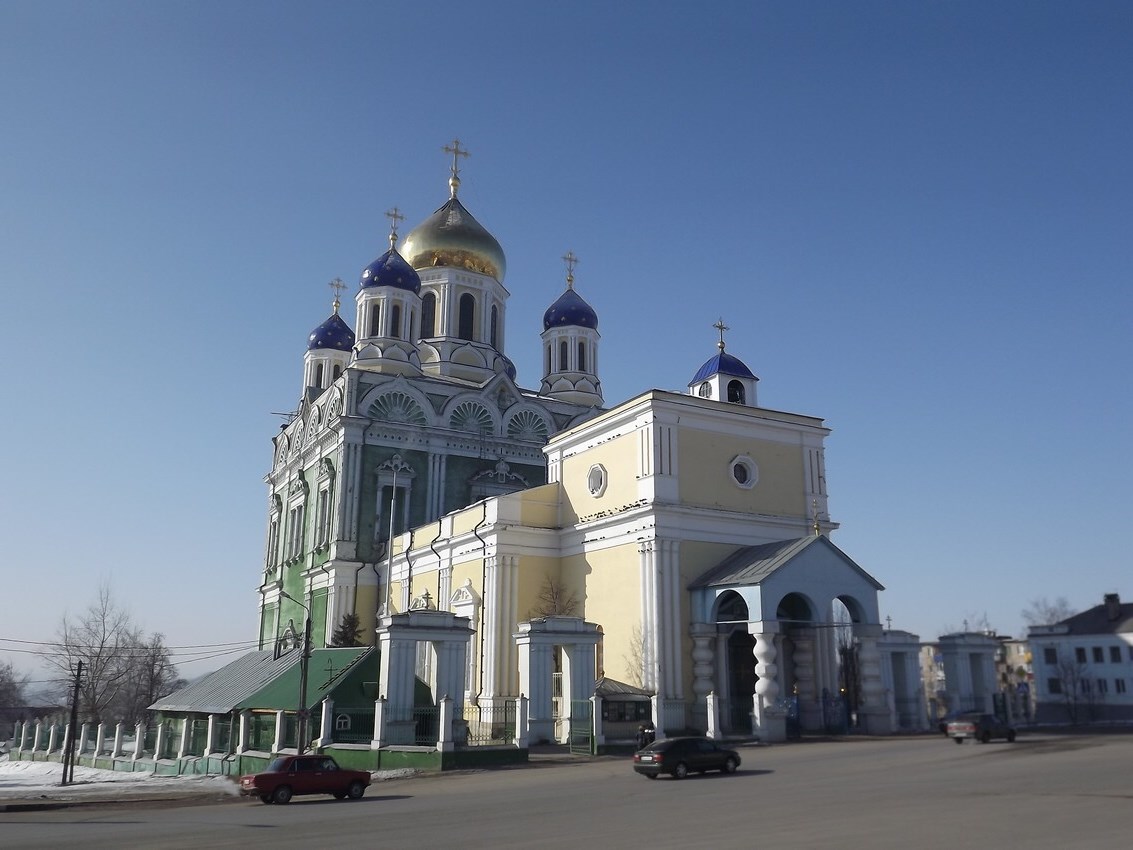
<point>21,780</point>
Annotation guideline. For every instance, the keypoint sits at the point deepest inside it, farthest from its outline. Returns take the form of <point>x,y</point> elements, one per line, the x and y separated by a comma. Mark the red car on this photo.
<point>288,776</point>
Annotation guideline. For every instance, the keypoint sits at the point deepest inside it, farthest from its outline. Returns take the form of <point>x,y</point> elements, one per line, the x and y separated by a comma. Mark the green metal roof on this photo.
<point>325,671</point>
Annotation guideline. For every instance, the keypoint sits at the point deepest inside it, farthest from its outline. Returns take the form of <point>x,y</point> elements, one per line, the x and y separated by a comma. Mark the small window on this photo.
<point>1050,655</point>
<point>467,316</point>
<point>1080,654</point>
<point>319,375</point>
<point>705,390</point>
<point>563,355</point>
<point>375,320</point>
<point>596,480</point>
<point>1119,685</point>
<point>744,472</point>
<point>495,327</point>
<point>736,392</point>
<point>1099,656</point>
<point>428,315</point>
<point>1103,686</point>
<point>1115,654</point>
<point>1084,685</point>
<point>395,321</point>
<point>1054,685</point>
<point>582,357</point>
<point>337,372</point>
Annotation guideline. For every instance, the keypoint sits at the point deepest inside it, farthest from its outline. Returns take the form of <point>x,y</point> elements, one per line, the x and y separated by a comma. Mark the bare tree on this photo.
<point>13,686</point>
<point>635,657</point>
<point>1045,612</point>
<point>123,672</point>
<point>150,675</point>
<point>555,600</point>
<point>1075,687</point>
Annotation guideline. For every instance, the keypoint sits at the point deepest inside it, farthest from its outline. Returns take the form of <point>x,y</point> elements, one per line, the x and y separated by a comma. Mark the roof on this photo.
<point>259,680</point>
<point>613,689</point>
<point>722,364</point>
<point>1097,620</point>
<point>751,565</point>
<point>324,671</point>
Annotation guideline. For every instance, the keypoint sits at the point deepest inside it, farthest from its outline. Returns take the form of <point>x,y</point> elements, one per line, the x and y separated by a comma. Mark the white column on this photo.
<point>242,739</point>
<point>873,713</point>
<point>771,723</point>
<point>280,726</point>
<point>186,729</point>
<point>84,730</point>
<point>210,735</point>
<point>810,709</point>
<point>117,749</point>
<point>50,738</point>
<point>713,715</point>
<point>139,741</point>
<point>596,713</point>
<point>159,743</point>
<point>326,723</point>
<point>99,739</point>
<point>378,741</point>
<point>521,723</point>
<point>444,738</point>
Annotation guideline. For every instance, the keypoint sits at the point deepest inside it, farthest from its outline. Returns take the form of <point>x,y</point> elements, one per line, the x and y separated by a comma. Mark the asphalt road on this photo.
<point>1040,792</point>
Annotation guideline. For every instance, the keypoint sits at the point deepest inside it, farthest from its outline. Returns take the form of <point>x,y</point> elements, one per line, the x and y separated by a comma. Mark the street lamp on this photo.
<point>301,743</point>
<point>395,463</point>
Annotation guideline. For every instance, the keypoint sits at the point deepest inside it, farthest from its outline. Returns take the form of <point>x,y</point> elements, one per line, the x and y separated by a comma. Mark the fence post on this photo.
<point>158,744</point>
<point>50,738</point>
<point>713,705</point>
<point>116,750</point>
<point>186,732</point>
<point>84,730</point>
<point>658,716</point>
<point>444,737</point>
<point>378,740</point>
<point>99,740</point>
<point>522,725</point>
<point>326,724</point>
<point>24,736</point>
<point>280,729</point>
<point>596,712</point>
<point>242,740</point>
<point>210,735</point>
<point>139,740</point>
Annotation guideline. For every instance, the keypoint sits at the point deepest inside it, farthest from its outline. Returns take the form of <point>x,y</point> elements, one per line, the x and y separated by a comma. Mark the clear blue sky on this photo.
<point>915,217</point>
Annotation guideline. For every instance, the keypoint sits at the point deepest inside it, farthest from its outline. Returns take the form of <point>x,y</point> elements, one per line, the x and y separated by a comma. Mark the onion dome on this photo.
<point>570,309</point>
<point>452,237</point>
<point>722,364</point>
<point>390,269</point>
<point>334,332</point>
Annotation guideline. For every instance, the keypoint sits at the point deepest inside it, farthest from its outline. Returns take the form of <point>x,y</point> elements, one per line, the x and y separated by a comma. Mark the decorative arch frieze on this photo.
<point>472,417</point>
<point>397,406</point>
<point>528,426</point>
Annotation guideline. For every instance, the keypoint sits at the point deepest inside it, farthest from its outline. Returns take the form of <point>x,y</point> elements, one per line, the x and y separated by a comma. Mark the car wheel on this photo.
<point>651,776</point>
<point>985,736</point>
<point>1011,737</point>
<point>730,765</point>
<point>356,790</point>
<point>265,798</point>
<point>958,740</point>
<point>281,795</point>
<point>680,771</point>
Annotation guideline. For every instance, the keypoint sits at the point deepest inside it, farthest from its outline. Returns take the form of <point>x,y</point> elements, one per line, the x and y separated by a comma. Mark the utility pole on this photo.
<point>303,714</point>
<point>69,754</point>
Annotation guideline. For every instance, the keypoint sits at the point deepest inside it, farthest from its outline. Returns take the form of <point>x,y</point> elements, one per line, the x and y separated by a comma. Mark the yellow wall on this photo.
<point>620,457</point>
<point>539,506</point>
<point>705,474</point>
<point>613,601</point>
<point>366,607</point>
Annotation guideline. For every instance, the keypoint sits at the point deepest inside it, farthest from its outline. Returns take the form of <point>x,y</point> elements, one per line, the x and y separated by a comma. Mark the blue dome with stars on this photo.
<point>333,333</point>
<point>722,364</point>
<point>390,269</point>
<point>570,310</point>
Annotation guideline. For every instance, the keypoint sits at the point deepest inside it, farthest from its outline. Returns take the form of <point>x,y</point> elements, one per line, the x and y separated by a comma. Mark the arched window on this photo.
<point>736,392</point>
<point>705,390</point>
<point>319,375</point>
<point>428,316</point>
<point>563,351</point>
<point>582,357</point>
<point>395,321</point>
<point>410,330</point>
<point>466,316</point>
<point>495,327</point>
<point>547,360</point>
<point>337,372</point>
<point>375,319</point>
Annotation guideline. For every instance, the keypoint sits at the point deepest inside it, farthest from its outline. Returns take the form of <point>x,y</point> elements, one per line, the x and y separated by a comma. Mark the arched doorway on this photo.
<point>739,661</point>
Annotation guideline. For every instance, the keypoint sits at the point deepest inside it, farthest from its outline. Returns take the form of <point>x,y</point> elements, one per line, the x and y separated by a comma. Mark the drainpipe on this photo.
<point>409,567</point>
<point>433,546</point>
<point>483,583</point>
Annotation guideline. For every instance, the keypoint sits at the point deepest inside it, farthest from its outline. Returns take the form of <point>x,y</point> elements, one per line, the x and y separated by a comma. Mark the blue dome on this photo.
<point>722,364</point>
<point>333,333</point>
<point>390,269</point>
<point>570,310</point>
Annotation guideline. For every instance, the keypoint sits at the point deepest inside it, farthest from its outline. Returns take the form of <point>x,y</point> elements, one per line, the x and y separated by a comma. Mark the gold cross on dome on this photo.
<point>337,286</point>
<point>457,152</point>
<point>394,217</point>
<point>571,261</point>
<point>721,327</point>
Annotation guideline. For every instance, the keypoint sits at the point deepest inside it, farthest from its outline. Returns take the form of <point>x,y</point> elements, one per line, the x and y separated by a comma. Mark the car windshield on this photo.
<point>277,766</point>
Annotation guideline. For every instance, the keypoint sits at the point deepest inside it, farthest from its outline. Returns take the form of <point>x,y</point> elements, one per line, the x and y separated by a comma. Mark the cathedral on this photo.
<point>680,542</point>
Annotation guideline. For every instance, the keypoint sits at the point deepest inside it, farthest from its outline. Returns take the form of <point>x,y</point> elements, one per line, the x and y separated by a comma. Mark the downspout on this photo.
<point>433,546</point>
<point>409,568</point>
<point>483,583</point>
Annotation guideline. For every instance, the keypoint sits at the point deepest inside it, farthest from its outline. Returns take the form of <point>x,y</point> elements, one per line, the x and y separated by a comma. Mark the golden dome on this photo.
<point>452,237</point>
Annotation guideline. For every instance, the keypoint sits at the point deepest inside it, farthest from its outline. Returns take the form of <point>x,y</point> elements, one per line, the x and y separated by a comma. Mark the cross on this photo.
<point>455,150</point>
<point>889,624</point>
<point>330,670</point>
<point>721,327</point>
<point>571,261</point>
<point>337,285</point>
<point>814,515</point>
<point>394,217</point>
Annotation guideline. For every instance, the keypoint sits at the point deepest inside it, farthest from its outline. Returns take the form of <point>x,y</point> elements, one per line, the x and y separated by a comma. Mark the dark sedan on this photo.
<point>679,757</point>
<point>289,776</point>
